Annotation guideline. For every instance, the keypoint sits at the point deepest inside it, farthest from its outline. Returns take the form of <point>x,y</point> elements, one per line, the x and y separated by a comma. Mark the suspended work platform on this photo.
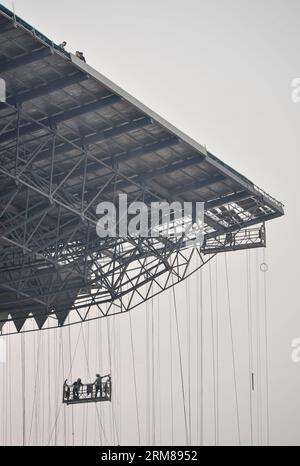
<point>71,138</point>
<point>87,393</point>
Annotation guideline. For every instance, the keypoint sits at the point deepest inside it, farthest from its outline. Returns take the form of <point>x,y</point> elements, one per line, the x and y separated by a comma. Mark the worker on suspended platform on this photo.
<point>98,385</point>
<point>77,386</point>
<point>67,391</point>
<point>99,390</point>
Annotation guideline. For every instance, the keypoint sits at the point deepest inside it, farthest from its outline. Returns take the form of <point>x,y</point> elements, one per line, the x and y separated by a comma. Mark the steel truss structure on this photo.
<point>70,138</point>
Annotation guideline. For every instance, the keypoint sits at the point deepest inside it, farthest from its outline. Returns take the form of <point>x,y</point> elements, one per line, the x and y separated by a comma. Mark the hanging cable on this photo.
<point>134,379</point>
<point>171,370</point>
<point>86,412</point>
<point>217,353</point>
<point>57,414</point>
<point>23,359</point>
<point>232,351</point>
<point>34,407</point>
<point>71,374</point>
<point>153,373</point>
<point>180,363</point>
<point>258,353</point>
<point>250,350</point>
<point>89,375</point>
<point>112,403</point>
<point>213,354</point>
<point>266,348</point>
<point>63,371</point>
<point>100,364</point>
<point>158,375</point>
<point>147,374</point>
<point>10,391</point>
<point>188,336</point>
<point>200,356</point>
<point>48,382</point>
<point>4,404</point>
<point>43,383</point>
<point>57,350</point>
<point>5,397</point>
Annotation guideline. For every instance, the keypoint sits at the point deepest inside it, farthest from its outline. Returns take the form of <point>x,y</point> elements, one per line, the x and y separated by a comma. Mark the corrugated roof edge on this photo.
<point>225,169</point>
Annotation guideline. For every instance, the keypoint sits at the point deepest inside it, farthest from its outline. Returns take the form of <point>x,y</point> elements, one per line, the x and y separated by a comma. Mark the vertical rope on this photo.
<point>56,372</point>
<point>35,396</point>
<point>250,350</point>
<point>153,374</point>
<point>158,374</point>
<point>4,403</point>
<point>88,358</point>
<point>213,354</point>
<point>58,410</point>
<point>112,402</point>
<point>99,355</point>
<point>187,290</point>
<point>71,374</point>
<point>232,351</point>
<point>134,379</point>
<point>201,359</point>
<point>258,354</point>
<point>48,384</point>
<point>89,375</point>
<point>43,391</point>
<point>147,374</point>
<point>23,348</point>
<point>63,371</point>
<point>181,367</point>
<point>266,351</point>
<point>171,370</point>
<point>217,354</point>
<point>5,380</point>
<point>10,391</point>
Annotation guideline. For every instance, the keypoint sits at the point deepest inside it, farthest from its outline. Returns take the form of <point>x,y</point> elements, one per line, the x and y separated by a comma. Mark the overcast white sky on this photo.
<point>220,71</point>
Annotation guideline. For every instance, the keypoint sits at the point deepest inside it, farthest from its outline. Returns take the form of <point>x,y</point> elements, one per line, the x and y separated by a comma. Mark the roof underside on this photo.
<point>59,109</point>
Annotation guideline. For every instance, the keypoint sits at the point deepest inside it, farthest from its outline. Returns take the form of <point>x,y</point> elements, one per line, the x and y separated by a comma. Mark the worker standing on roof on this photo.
<point>63,45</point>
<point>80,56</point>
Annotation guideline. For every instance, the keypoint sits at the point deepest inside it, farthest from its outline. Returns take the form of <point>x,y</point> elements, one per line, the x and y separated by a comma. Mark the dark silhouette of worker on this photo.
<point>80,56</point>
<point>67,391</point>
<point>107,387</point>
<point>76,388</point>
<point>63,45</point>
<point>98,385</point>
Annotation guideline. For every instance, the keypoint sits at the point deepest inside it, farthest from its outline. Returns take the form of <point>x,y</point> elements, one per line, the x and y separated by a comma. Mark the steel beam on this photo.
<point>47,89</point>
<point>10,65</point>
<point>224,200</point>
<point>60,118</point>
<point>6,27</point>
<point>118,158</point>
<point>151,174</point>
<point>199,184</point>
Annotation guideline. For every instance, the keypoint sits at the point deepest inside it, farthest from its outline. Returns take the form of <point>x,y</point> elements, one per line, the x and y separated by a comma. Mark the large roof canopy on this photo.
<point>69,137</point>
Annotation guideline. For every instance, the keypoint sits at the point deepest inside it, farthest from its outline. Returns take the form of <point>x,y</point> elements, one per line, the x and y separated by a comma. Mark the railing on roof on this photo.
<point>267,196</point>
<point>279,204</point>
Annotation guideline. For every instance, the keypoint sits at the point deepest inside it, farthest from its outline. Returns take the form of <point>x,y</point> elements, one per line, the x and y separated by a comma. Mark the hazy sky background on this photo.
<point>221,71</point>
